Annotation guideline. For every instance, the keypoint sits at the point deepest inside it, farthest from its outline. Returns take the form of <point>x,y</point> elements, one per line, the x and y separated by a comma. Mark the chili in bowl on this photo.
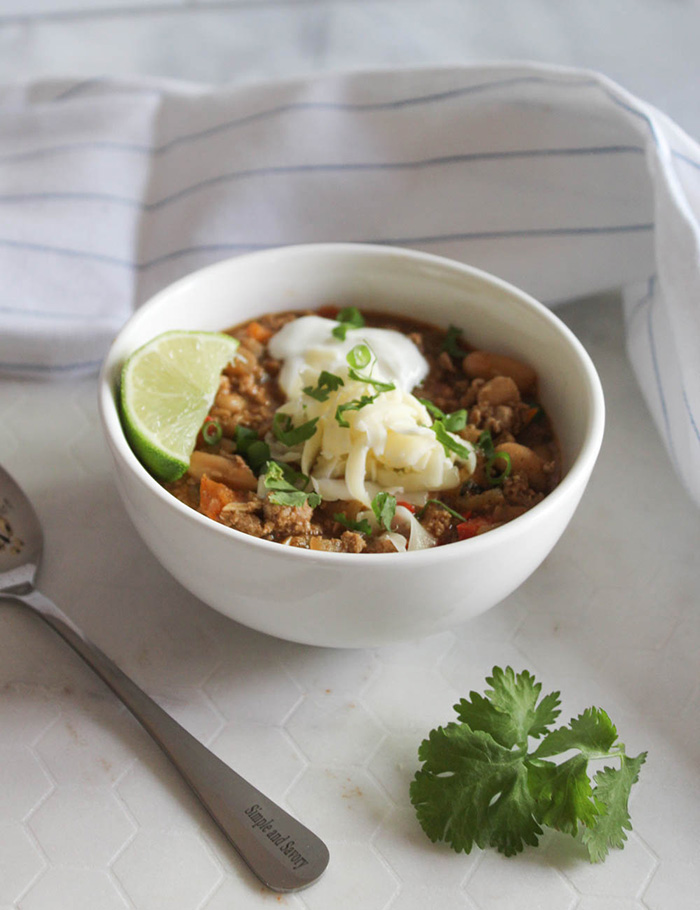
<point>494,399</point>
<point>353,431</point>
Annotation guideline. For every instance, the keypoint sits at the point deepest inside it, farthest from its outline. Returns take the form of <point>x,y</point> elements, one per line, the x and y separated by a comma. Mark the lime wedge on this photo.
<point>167,388</point>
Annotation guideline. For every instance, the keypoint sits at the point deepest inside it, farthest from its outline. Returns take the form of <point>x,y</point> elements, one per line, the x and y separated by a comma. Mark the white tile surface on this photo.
<point>91,815</point>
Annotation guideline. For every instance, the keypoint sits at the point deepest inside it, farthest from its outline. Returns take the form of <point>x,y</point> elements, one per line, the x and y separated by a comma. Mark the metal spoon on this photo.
<point>284,854</point>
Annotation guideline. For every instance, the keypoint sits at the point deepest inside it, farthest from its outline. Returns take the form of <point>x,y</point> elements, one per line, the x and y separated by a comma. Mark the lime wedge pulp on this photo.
<point>167,388</point>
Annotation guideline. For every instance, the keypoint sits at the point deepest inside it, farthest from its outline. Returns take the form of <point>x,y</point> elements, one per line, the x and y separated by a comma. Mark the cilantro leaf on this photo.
<point>472,791</point>
<point>283,482</point>
<point>480,785</point>
<point>327,383</point>
<point>451,342</point>
<point>611,795</point>
<point>563,793</point>
<point>288,434</point>
<point>384,508</point>
<point>485,443</point>
<point>510,710</point>
<point>591,732</point>
<point>348,318</point>
<point>355,405</point>
<point>453,422</point>
<point>448,442</point>
<point>362,526</point>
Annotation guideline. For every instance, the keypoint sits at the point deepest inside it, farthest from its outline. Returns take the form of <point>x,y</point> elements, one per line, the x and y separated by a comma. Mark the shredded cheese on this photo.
<point>365,440</point>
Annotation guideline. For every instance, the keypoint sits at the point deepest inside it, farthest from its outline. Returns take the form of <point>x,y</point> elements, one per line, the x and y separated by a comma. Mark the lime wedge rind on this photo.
<point>167,388</point>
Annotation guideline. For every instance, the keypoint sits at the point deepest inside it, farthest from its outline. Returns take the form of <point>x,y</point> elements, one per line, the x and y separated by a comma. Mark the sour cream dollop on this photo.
<point>307,346</point>
<point>388,443</point>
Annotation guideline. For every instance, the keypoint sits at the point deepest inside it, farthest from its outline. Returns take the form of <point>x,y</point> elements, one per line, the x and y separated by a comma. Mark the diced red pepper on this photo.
<point>407,505</point>
<point>471,527</point>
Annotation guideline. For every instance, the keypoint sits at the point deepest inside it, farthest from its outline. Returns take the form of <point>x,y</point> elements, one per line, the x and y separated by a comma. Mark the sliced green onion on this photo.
<point>359,356</point>
<point>211,431</point>
<point>497,479</point>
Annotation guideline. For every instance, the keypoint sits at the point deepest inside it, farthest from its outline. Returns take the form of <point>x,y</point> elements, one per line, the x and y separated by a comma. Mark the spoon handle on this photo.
<point>282,852</point>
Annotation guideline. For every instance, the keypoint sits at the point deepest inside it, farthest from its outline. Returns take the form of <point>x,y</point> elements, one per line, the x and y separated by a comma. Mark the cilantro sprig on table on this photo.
<point>483,784</point>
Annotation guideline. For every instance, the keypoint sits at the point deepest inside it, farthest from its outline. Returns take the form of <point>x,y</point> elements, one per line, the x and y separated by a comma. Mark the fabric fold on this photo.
<point>557,180</point>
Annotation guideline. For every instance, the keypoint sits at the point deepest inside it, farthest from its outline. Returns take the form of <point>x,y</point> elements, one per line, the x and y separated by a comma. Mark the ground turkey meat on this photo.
<point>288,521</point>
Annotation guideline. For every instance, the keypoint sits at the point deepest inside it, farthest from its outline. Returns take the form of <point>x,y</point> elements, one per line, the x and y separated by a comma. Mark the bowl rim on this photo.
<point>576,475</point>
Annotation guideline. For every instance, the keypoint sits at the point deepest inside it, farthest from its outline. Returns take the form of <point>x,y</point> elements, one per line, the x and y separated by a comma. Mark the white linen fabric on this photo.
<point>557,180</point>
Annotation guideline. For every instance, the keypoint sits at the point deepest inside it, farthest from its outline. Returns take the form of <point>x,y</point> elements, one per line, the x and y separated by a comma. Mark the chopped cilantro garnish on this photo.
<point>359,357</point>
<point>327,383</point>
<point>448,442</point>
<point>451,342</point>
<point>453,422</point>
<point>290,435</point>
<point>282,481</point>
<point>348,318</point>
<point>443,505</point>
<point>362,526</point>
<point>384,508</point>
<point>353,405</point>
<point>480,785</point>
<point>375,383</point>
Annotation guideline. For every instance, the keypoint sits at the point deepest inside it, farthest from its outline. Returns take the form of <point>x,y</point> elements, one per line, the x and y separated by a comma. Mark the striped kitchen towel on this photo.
<point>556,180</point>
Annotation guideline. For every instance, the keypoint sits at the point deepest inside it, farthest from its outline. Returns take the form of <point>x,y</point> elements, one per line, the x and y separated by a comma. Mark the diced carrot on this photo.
<point>258,332</point>
<point>213,497</point>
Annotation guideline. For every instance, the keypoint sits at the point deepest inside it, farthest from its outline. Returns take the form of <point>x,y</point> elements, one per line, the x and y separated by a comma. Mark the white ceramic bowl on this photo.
<point>342,599</point>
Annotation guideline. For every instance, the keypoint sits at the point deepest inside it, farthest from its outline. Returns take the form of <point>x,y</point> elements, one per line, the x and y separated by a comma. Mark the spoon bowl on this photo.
<point>242,812</point>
